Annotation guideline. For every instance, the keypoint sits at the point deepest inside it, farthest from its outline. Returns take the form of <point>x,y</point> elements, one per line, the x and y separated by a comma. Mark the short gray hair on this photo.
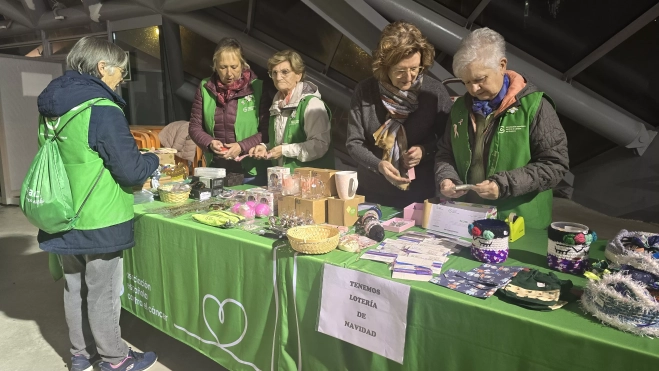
<point>484,45</point>
<point>89,51</point>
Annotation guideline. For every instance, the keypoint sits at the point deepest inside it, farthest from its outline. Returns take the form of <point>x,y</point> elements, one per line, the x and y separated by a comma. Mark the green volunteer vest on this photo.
<point>246,125</point>
<point>109,203</point>
<point>510,149</point>
<point>294,133</point>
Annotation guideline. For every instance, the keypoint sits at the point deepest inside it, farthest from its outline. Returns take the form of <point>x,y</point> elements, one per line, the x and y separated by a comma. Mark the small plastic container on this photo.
<point>210,172</point>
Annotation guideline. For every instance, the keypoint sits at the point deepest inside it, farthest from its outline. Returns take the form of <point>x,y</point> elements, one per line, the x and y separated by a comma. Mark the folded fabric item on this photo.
<point>533,289</point>
<point>481,282</point>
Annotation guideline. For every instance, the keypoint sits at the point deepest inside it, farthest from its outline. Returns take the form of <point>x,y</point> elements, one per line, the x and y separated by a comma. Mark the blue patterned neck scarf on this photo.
<point>485,107</point>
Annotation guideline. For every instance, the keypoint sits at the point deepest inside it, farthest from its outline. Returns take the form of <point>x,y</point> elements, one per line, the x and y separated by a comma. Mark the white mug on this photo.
<point>346,184</point>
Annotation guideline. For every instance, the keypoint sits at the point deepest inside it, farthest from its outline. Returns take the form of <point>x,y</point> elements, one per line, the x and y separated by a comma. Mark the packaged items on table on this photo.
<point>481,282</point>
<point>276,176</point>
<point>315,209</point>
<point>210,172</point>
<point>343,212</point>
<point>568,245</point>
<point>355,243</point>
<point>263,196</point>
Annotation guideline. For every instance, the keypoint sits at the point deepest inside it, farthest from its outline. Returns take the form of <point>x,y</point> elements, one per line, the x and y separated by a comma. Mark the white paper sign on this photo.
<point>452,219</point>
<point>367,311</point>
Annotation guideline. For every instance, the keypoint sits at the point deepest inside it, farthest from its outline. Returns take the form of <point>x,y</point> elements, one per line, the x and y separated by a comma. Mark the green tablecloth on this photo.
<point>249,302</point>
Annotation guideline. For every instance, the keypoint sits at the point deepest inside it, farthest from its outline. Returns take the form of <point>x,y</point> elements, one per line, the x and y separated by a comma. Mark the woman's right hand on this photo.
<point>260,152</point>
<point>447,188</point>
<point>391,174</point>
<point>216,146</point>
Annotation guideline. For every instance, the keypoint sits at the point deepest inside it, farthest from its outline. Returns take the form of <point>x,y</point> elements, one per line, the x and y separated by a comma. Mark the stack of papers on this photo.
<point>414,256</point>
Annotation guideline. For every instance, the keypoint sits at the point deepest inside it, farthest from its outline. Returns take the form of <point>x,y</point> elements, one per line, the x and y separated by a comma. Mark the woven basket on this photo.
<point>619,252</point>
<point>313,239</point>
<point>166,195</point>
<point>636,311</point>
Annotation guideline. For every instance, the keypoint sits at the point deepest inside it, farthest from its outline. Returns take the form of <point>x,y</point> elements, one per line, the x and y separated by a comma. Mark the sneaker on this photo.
<point>81,363</point>
<point>135,361</point>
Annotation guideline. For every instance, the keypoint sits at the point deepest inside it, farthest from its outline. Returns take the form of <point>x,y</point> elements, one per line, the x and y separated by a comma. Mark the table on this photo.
<point>249,302</point>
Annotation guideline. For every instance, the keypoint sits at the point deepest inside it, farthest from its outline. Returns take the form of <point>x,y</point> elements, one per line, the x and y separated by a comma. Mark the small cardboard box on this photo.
<point>166,158</point>
<point>304,171</point>
<point>343,212</point>
<point>328,179</point>
<point>414,212</point>
<point>317,208</point>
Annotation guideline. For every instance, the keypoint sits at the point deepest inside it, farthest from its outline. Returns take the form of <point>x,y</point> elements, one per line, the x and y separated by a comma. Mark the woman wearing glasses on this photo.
<point>228,116</point>
<point>299,132</point>
<point>396,118</point>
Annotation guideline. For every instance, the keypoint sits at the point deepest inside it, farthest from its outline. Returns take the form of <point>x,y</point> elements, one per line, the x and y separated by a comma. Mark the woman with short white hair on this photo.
<point>503,137</point>
<point>102,164</point>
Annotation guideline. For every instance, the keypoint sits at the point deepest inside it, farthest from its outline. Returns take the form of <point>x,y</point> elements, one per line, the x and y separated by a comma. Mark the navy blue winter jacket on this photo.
<point>110,136</point>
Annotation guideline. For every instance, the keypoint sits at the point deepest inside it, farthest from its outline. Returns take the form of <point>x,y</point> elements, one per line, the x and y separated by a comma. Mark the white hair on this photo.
<point>484,45</point>
<point>89,51</point>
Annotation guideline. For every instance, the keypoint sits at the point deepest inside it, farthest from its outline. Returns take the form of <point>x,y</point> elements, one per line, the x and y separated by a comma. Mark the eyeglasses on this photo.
<point>124,71</point>
<point>404,71</point>
<point>282,73</point>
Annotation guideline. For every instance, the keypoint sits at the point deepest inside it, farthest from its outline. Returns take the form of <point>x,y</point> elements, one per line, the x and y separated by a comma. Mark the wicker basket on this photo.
<point>313,239</point>
<point>166,195</point>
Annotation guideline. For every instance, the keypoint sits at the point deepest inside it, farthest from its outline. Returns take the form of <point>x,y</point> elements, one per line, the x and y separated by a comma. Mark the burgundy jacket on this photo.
<point>225,118</point>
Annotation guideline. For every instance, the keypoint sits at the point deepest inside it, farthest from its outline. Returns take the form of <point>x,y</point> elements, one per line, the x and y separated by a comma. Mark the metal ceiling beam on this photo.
<point>477,11</point>
<point>78,16</point>
<point>34,9</point>
<point>178,6</point>
<point>614,41</point>
<point>444,11</point>
<point>587,110</point>
<point>15,12</point>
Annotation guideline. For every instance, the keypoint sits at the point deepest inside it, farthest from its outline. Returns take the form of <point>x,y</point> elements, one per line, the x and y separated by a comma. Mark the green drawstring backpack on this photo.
<point>46,198</point>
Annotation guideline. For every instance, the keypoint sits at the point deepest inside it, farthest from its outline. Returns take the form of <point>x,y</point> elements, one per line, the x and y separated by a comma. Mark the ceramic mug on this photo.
<point>346,184</point>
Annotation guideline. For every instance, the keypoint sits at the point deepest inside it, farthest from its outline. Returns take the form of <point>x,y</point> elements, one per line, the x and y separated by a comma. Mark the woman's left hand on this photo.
<point>488,190</point>
<point>275,153</point>
<point>233,152</point>
<point>412,157</point>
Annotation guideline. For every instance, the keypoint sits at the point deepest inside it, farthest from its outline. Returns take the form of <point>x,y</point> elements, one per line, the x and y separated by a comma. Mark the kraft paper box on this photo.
<point>328,179</point>
<point>343,212</point>
<point>451,218</point>
<point>166,158</point>
<point>304,171</point>
<point>317,208</point>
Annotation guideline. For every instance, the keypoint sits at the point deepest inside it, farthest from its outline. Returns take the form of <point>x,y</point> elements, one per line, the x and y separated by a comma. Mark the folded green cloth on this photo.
<point>533,289</point>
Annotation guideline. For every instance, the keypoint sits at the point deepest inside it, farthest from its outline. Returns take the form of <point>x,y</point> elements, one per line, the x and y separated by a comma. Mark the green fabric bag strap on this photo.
<point>56,134</point>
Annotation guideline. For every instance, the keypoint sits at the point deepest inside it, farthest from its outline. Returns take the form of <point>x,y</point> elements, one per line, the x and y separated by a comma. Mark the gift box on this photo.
<point>343,212</point>
<point>166,158</point>
<point>234,179</point>
<point>316,208</point>
<point>275,177</point>
<point>304,171</point>
<point>414,212</point>
<point>327,177</point>
<point>398,224</point>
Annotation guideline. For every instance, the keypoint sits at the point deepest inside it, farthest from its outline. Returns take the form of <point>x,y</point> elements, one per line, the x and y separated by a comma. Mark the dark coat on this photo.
<point>549,156</point>
<point>110,136</point>
<point>225,118</point>
<point>423,127</point>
